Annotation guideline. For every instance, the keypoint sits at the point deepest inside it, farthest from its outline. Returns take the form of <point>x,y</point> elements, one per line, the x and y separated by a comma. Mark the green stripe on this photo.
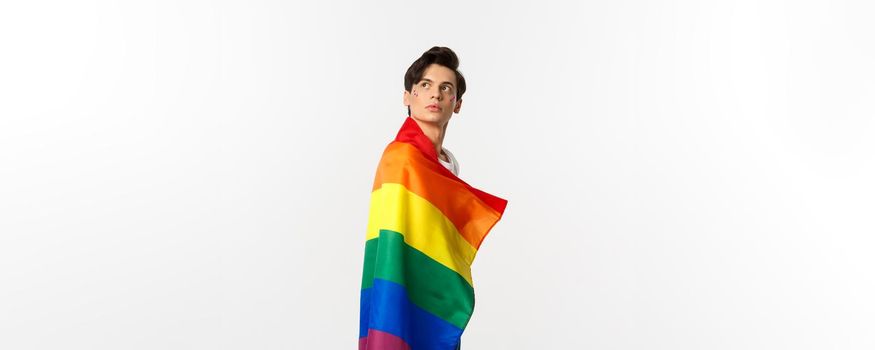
<point>430,285</point>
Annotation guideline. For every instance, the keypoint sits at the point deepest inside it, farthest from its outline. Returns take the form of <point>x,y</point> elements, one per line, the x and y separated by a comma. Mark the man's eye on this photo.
<point>446,88</point>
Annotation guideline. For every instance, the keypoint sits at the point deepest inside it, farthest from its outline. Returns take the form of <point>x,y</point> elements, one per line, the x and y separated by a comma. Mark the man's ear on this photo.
<point>458,106</point>
<point>406,98</point>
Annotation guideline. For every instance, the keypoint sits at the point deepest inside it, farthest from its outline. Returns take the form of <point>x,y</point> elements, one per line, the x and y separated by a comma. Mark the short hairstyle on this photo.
<point>440,55</point>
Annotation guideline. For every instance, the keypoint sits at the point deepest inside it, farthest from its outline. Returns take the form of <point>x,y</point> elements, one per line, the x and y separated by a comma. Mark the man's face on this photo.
<point>433,98</point>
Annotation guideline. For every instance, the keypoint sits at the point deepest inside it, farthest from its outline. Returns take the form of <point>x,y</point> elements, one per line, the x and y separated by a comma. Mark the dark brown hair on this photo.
<point>440,55</point>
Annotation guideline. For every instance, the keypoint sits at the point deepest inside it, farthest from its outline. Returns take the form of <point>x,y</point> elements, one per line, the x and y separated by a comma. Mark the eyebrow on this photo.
<point>430,81</point>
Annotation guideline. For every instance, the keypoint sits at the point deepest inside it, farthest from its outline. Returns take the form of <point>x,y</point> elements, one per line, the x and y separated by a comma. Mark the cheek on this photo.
<point>453,99</point>
<point>415,93</point>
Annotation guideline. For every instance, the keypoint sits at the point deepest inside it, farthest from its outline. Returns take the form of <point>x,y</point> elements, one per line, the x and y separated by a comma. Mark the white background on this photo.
<point>680,175</point>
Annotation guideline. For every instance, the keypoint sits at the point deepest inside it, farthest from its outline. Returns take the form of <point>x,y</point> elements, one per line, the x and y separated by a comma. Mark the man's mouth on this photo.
<point>433,107</point>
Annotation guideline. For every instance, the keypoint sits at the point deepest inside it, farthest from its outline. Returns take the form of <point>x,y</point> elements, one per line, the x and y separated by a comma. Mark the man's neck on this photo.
<point>435,133</point>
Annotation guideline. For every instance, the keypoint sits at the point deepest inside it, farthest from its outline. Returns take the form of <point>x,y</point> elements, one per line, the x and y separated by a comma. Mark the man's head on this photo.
<point>433,86</point>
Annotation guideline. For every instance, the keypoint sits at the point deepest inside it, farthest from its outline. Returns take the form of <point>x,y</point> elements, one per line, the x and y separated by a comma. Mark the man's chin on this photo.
<point>431,118</point>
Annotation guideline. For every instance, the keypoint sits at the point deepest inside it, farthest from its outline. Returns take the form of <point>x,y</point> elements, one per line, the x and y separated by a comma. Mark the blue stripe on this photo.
<point>386,307</point>
<point>364,312</point>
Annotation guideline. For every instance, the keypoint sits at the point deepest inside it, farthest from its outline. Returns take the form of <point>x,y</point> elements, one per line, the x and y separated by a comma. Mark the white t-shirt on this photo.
<point>452,165</point>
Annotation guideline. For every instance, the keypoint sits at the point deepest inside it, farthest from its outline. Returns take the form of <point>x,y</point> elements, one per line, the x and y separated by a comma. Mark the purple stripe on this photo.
<point>377,340</point>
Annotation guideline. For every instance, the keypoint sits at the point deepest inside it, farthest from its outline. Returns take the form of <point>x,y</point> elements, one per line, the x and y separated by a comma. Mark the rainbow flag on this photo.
<point>424,229</point>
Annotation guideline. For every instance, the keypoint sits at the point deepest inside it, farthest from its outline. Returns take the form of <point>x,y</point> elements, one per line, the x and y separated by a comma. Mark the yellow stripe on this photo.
<point>394,207</point>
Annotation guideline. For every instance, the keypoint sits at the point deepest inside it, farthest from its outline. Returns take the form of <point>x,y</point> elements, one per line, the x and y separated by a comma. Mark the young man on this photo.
<point>425,224</point>
<point>433,89</point>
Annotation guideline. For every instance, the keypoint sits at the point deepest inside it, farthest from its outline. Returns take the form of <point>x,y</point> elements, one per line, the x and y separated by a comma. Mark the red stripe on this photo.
<point>378,340</point>
<point>411,133</point>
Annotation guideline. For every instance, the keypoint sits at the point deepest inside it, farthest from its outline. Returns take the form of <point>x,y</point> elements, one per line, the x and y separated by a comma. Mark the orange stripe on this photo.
<point>472,217</point>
